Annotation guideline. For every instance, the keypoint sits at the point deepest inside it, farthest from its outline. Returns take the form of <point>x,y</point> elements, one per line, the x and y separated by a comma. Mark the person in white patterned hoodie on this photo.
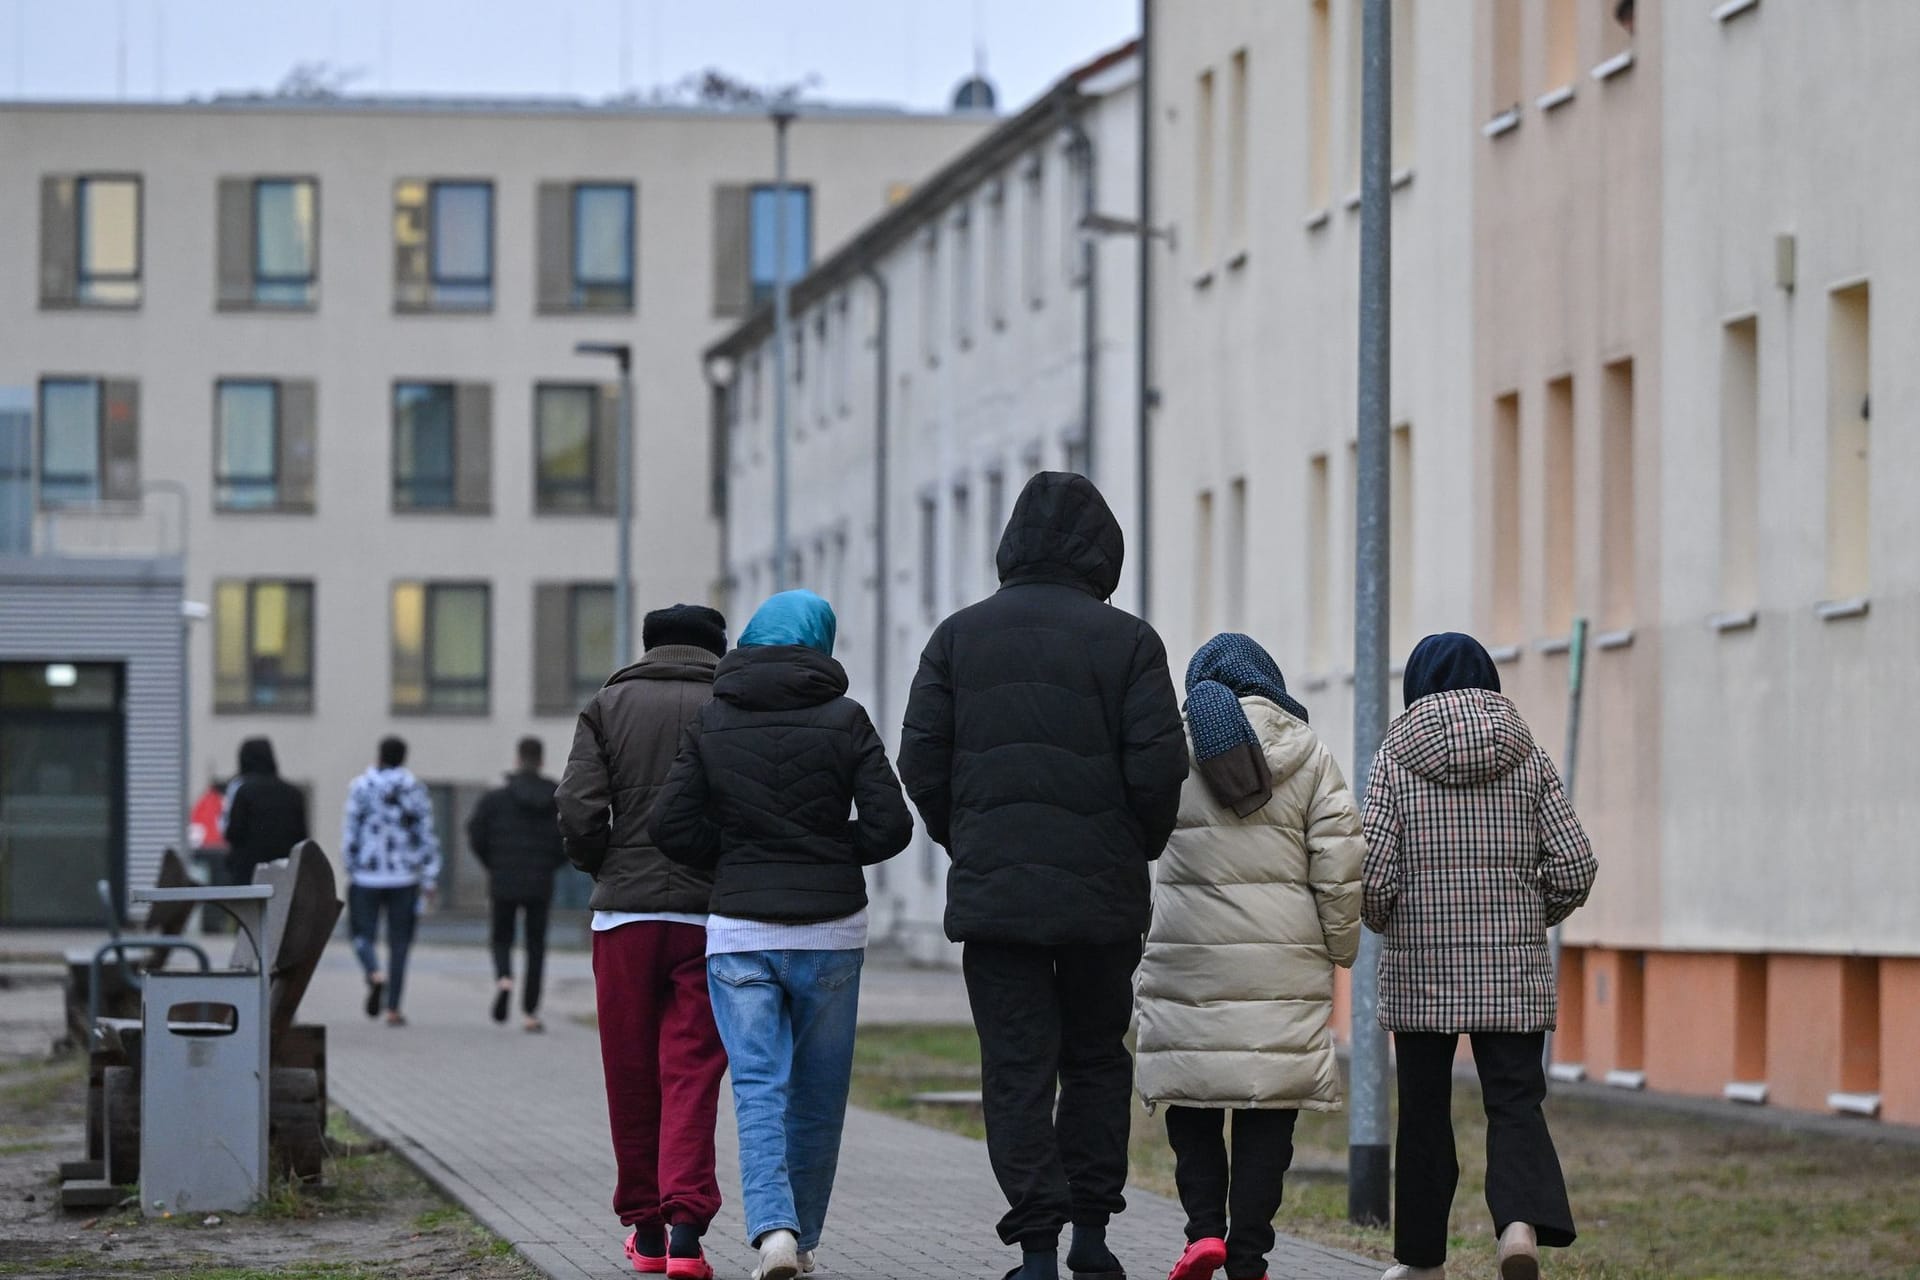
<point>393,862</point>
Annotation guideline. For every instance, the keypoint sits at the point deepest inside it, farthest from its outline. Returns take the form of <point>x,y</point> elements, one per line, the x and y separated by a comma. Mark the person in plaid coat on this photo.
<point>1473,853</point>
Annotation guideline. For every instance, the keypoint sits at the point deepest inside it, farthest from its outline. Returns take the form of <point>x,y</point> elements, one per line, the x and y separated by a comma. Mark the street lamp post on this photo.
<point>622,354</point>
<point>783,114</point>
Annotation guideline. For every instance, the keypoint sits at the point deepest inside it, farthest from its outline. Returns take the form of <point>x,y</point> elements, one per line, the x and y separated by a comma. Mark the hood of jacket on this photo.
<point>531,791</point>
<point>256,757</point>
<point>1462,738</point>
<point>778,677</point>
<point>1285,740</point>
<point>1062,531</point>
<point>669,662</point>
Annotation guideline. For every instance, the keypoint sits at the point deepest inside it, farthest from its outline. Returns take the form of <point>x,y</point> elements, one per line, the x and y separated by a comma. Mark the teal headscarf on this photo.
<point>792,617</point>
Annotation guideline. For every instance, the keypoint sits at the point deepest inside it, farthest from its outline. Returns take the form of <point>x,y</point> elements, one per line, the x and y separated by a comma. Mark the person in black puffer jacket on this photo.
<point>782,786</point>
<point>1044,749</point>
<point>265,815</point>
<point>514,832</point>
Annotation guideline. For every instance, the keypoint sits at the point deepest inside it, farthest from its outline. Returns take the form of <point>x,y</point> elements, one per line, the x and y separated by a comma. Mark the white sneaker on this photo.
<point>1519,1253</point>
<point>1401,1271</point>
<point>779,1256</point>
<point>807,1263</point>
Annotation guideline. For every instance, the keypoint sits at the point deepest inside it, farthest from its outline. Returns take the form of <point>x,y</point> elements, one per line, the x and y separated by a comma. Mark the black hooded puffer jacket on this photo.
<point>266,815</point>
<point>515,834</point>
<point>762,790</point>
<point>1043,744</point>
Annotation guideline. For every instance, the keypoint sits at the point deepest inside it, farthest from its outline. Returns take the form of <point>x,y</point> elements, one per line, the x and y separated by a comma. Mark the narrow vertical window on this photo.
<point>1400,541</point>
<point>1320,107</point>
<point>1237,147</point>
<point>285,241</point>
<point>603,246</point>
<point>1033,232</point>
<point>764,250</point>
<point>1849,491</point>
<point>1356,76</point>
<point>1203,564</point>
<point>929,555</point>
<point>960,546</point>
<point>1203,130</point>
<point>1739,465</point>
<point>1563,45</point>
<point>1557,497</point>
<point>1503,88</point>
<point>1617,525</point>
<point>1319,565</point>
<point>108,241</point>
<point>930,298</point>
<point>996,255</point>
<point>1406,50</point>
<point>963,278</point>
<point>1236,555</point>
<point>1507,623</point>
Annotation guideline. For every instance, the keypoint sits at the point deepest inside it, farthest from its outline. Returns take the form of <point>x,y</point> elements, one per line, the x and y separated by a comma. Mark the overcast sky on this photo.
<point>902,51</point>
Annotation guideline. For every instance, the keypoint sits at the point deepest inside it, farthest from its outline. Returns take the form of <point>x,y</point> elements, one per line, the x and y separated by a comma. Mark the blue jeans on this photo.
<point>787,1020</point>
<point>402,908</point>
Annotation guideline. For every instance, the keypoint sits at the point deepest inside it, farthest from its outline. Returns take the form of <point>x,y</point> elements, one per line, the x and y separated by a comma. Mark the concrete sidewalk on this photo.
<point>514,1127</point>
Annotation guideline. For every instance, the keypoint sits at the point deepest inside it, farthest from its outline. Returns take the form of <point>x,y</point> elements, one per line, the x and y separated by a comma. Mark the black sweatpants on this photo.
<point>1524,1182</point>
<point>1234,1201</point>
<point>503,921</point>
<point>1054,1019</point>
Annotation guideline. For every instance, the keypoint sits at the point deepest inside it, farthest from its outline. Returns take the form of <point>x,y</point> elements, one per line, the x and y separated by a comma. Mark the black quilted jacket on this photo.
<point>765,787</point>
<point>1043,745</point>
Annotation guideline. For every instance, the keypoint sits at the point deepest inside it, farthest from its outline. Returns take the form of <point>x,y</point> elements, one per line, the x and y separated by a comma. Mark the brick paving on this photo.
<point>513,1126</point>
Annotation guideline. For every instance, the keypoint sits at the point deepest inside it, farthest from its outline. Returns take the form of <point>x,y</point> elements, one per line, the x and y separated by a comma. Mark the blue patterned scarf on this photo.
<point>1227,668</point>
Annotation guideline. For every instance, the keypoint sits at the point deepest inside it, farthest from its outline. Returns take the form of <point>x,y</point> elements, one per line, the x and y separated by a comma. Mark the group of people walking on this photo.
<point>726,804</point>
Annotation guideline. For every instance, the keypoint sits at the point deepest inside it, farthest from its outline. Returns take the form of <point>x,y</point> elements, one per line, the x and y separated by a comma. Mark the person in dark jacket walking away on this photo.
<point>783,789</point>
<point>393,862</point>
<point>658,1045</point>
<point>1045,751</point>
<point>514,831</point>
<point>1473,853</point>
<point>265,815</point>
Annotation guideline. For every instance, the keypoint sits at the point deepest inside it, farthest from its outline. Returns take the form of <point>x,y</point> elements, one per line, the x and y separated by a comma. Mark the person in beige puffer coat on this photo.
<point>1256,900</point>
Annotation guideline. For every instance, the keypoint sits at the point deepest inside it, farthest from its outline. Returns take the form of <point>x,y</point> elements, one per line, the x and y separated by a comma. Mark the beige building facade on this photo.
<point>1639,354</point>
<point>341,337</point>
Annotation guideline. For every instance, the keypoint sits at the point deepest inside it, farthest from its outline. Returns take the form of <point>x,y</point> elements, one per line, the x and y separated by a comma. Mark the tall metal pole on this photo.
<point>1368,1143</point>
<point>1569,772</point>
<point>623,570</point>
<point>1143,389</point>
<point>782,117</point>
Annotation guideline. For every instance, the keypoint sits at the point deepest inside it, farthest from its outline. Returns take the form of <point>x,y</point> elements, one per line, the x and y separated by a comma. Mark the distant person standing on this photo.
<point>515,833</point>
<point>265,815</point>
<point>393,861</point>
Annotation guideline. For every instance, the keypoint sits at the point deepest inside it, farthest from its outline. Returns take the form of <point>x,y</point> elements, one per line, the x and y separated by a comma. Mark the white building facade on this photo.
<point>975,334</point>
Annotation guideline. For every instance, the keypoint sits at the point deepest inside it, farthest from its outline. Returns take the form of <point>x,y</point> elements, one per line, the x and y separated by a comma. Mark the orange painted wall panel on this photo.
<point>1900,1041</point>
<point>1615,1031</point>
<point>1691,1002</point>
<point>1804,1029</point>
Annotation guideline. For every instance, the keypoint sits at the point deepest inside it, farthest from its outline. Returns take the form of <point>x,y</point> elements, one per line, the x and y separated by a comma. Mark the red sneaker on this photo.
<point>1201,1260</point>
<point>642,1263</point>
<point>689,1268</point>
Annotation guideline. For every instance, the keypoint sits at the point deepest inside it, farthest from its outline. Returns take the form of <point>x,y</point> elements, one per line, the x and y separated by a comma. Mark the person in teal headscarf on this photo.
<point>783,788</point>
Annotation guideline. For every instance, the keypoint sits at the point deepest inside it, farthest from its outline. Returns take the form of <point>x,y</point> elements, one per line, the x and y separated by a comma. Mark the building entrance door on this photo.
<point>62,791</point>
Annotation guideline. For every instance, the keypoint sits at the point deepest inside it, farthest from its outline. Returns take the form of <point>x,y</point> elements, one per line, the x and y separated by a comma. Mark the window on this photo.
<point>930,297</point>
<point>1236,555</point>
<point>963,278</point>
<point>996,515</point>
<point>1505,68</point>
<point>89,441</point>
<point>960,546</point>
<point>575,442</point>
<point>996,289</point>
<point>442,446</point>
<point>929,555</point>
<point>1356,76</point>
<point>1406,85</point>
<point>1400,540</point>
<point>1319,564</point>
<point>1203,130</point>
<point>1617,541</point>
<point>1563,45</point>
<point>1557,496</point>
<point>284,242</point>
<point>573,629</point>
<point>443,245</point>
<point>765,233</point>
<point>441,650</point>
<point>263,445</point>
<point>1320,108</point>
<point>1849,487</point>
<point>90,241</point>
<point>1505,502</point>
<point>1203,564</point>
<point>262,645</point>
<point>843,356</point>
<point>585,255</point>
<point>1033,232</point>
<point>1237,129</point>
<point>1739,465</point>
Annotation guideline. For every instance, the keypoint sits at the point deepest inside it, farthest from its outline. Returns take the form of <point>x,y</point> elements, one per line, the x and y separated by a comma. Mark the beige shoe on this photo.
<point>1519,1253</point>
<point>808,1264</point>
<point>1401,1271</point>
<point>779,1256</point>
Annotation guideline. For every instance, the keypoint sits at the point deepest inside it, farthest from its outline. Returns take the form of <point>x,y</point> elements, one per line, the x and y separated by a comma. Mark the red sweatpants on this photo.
<point>663,1061</point>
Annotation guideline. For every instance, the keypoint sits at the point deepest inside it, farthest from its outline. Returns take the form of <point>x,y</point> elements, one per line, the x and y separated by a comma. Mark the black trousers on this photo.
<point>1234,1201</point>
<point>1053,1025</point>
<point>1524,1182</point>
<point>504,910</point>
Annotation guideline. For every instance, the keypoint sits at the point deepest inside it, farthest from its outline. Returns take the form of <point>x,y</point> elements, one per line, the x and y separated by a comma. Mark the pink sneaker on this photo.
<point>689,1268</point>
<point>642,1263</point>
<point>1201,1260</point>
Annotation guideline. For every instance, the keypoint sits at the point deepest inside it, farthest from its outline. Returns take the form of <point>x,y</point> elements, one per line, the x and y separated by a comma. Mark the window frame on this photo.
<point>253,705</point>
<point>83,277</point>
<point>396,485</point>
<point>595,393</point>
<point>98,477</point>
<point>804,190</point>
<point>260,278</point>
<point>579,286</point>
<point>583,691</point>
<point>275,429</point>
<point>435,281</point>
<point>429,683</point>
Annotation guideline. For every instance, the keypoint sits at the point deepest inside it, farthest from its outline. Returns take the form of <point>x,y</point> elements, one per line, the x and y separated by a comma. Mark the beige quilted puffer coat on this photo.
<point>1250,916</point>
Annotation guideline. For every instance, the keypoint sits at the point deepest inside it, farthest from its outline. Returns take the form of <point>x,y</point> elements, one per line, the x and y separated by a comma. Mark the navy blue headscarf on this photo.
<point>1227,668</point>
<point>1445,662</point>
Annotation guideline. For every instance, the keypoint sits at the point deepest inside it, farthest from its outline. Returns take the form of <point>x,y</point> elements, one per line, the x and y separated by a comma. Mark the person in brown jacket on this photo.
<point>658,1043</point>
<point>1473,853</point>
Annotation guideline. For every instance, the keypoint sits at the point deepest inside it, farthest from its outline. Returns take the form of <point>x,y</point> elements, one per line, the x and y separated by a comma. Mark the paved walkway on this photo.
<point>514,1127</point>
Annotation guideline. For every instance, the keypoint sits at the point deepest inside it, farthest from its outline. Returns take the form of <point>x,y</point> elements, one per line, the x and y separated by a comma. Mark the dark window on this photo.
<point>285,241</point>
<point>589,639</point>
<point>70,427</point>
<point>441,649</point>
<point>107,239</point>
<point>423,446</point>
<point>263,645</point>
<point>763,237</point>
<point>460,243</point>
<point>247,452</point>
<point>573,444</point>
<point>603,246</point>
